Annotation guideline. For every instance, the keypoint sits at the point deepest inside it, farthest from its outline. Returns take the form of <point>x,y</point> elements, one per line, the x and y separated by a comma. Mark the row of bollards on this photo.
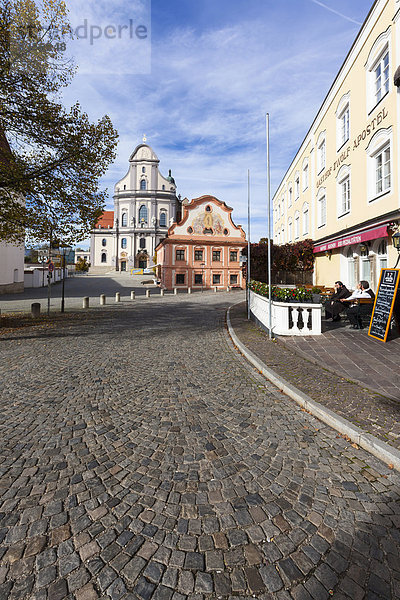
<point>35,306</point>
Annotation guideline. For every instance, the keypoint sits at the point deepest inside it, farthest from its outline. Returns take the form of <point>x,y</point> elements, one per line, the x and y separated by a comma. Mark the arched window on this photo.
<point>163,219</point>
<point>290,231</point>
<point>163,187</point>
<point>124,220</point>
<point>142,242</point>
<point>143,214</point>
<point>103,257</point>
<point>305,218</point>
<point>123,243</point>
<point>104,242</point>
<point>296,225</point>
<point>143,184</point>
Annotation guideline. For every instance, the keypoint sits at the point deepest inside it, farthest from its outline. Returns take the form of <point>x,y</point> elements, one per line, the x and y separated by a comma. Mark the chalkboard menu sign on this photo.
<point>384,303</point>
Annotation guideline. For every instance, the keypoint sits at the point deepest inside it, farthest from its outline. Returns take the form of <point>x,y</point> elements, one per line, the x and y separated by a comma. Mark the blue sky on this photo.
<point>200,84</point>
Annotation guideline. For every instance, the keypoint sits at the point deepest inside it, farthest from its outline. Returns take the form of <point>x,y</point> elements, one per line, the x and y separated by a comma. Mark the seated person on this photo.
<point>333,306</point>
<point>353,312</point>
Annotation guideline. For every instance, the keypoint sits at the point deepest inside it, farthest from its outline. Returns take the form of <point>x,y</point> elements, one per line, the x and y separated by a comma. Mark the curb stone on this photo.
<point>370,443</point>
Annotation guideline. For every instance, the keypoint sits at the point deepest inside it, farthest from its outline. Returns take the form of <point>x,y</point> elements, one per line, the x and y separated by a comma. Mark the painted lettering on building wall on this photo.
<point>344,155</point>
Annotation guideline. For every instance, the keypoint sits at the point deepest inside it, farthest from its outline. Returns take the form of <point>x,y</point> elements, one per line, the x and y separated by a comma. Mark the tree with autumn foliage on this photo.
<point>286,257</point>
<point>51,158</point>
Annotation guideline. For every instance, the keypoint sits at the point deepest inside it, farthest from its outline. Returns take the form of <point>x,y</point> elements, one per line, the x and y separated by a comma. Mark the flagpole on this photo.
<point>269,231</point>
<point>248,243</point>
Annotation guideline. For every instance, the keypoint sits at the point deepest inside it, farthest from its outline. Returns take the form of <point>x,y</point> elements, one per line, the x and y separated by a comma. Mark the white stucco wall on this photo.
<point>11,268</point>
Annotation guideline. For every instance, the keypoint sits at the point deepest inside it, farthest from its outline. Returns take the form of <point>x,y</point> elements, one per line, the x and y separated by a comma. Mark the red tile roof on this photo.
<point>106,221</point>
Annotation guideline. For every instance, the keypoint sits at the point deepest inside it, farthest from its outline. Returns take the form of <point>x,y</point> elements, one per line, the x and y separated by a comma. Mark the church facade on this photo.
<point>145,205</point>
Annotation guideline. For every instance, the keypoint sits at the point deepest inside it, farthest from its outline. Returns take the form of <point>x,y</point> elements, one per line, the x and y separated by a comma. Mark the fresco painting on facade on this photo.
<point>348,163</point>
<point>203,249</point>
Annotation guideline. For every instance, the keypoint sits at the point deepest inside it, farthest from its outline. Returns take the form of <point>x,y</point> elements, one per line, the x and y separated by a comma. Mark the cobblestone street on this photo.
<point>142,458</point>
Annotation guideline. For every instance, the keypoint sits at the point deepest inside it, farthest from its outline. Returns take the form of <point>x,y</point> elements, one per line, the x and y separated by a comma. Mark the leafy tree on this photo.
<point>51,158</point>
<point>286,257</point>
<point>81,265</point>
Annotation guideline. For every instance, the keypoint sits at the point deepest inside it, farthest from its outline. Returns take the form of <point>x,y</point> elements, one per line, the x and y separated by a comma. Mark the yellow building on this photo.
<point>342,188</point>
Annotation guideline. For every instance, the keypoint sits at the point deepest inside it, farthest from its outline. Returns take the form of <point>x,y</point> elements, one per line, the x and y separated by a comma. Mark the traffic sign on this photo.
<point>50,266</point>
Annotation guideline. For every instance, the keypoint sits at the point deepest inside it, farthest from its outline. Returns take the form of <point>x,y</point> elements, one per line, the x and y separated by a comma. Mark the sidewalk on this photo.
<point>351,357</point>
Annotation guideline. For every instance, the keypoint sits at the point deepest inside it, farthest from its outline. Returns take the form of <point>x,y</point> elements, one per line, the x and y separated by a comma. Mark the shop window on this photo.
<point>381,259</point>
<point>198,255</point>
<point>233,279</point>
<point>216,255</point>
<point>216,279</point>
<point>180,278</point>
<point>198,279</point>
<point>180,255</point>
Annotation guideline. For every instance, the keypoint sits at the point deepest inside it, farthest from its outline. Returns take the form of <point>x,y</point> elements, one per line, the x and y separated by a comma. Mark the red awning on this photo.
<point>355,238</point>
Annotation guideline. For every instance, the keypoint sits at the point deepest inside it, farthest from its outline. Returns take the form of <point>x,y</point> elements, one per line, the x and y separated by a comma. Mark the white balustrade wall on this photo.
<point>287,318</point>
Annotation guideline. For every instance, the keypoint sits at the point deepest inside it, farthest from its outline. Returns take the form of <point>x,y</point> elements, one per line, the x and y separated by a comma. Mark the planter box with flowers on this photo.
<point>293,310</point>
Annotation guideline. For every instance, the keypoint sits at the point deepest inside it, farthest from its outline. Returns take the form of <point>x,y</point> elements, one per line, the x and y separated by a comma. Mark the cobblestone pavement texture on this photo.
<point>143,458</point>
<point>354,354</point>
<point>369,410</point>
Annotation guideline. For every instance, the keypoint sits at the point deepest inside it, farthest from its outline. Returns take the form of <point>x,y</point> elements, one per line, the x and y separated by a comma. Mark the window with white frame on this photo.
<point>321,207</point>
<point>296,225</point>
<point>282,235</point>
<point>378,69</point>
<point>290,196</point>
<point>343,121</point>
<point>321,152</point>
<point>283,206</point>
<point>379,164</point>
<point>124,219</point>
<point>279,210</point>
<point>297,187</point>
<point>381,77</point>
<point>382,170</point>
<point>290,226</point>
<point>305,174</point>
<point>343,191</point>
<point>305,219</point>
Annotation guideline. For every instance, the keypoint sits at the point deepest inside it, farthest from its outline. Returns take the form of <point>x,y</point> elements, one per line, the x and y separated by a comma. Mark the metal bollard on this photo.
<point>215,289</point>
<point>132,295</point>
<point>85,302</point>
<point>147,293</point>
<point>189,290</point>
<point>175,291</point>
<point>228,289</point>
<point>102,299</point>
<point>161,292</point>
<point>35,309</point>
<point>117,297</point>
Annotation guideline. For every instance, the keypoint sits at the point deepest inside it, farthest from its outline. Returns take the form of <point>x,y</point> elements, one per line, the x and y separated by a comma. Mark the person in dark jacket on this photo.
<point>355,313</point>
<point>334,306</point>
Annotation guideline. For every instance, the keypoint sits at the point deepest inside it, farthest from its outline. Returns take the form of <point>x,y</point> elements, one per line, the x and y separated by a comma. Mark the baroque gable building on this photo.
<point>145,204</point>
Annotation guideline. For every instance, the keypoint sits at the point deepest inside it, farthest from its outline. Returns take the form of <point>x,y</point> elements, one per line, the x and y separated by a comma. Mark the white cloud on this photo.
<point>203,106</point>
